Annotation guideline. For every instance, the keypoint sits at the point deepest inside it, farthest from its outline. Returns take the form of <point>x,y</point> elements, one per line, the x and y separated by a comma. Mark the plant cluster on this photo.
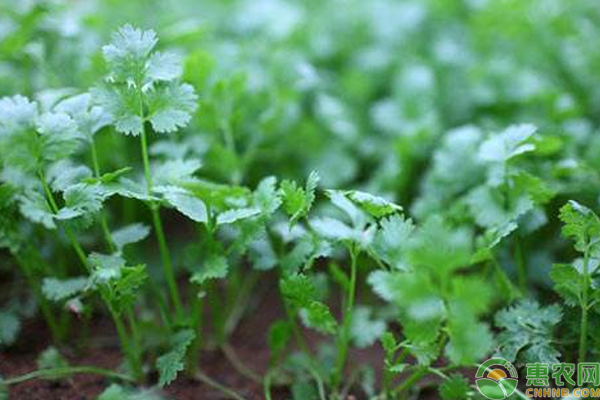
<point>397,176</point>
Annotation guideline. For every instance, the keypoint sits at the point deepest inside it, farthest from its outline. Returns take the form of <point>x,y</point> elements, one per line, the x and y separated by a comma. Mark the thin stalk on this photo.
<point>267,385</point>
<point>160,234</point>
<point>45,308</point>
<point>410,381</point>
<point>103,220</point>
<point>298,337</point>
<point>135,344</point>
<point>344,337</point>
<point>320,385</point>
<point>121,331</point>
<point>218,313</point>
<point>125,343</point>
<point>584,305</point>
<point>54,207</point>
<point>241,302</point>
<point>216,385</point>
<point>193,354</point>
<point>239,366</point>
<point>518,249</point>
<point>521,265</point>
<point>155,209</point>
<point>388,375</point>
<point>55,373</point>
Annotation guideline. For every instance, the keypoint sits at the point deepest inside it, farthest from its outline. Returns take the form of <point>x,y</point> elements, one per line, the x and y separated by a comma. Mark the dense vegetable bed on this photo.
<point>295,199</point>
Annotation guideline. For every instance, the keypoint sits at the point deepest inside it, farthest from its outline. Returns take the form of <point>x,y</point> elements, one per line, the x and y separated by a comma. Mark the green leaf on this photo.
<point>340,200</point>
<point>470,340</point>
<point>171,107</point>
<point>130,234</point>
<point>489,209</point>
<point>16,112</point>
<point>64,173</point>
<point>364,329</point>
<point>317,316</point>
<point>528,332</point>
<point>123,106</point>
<point>51,358</point>
<point>34,207</point>
<point>456,387</point>
<point>190,206</point>
<point>376,206</point>
<point>116,392</point>
<point>81,199</point>
<point>125,290</point>
<point>89,118</point>
<point>113,392</point>
<point>393,234</point>
<point>513,141</point>
<point>127,53</point>
<point>568,283</point>
<point>237,214</point>
<point>171,363</point>
<point>297,289</point>
<point>214,195</point>
<point>296,200</point>
<point>385,284</point>
<point>280,334</point>
<point>164,67</point>
<point>59,136</point>
<point>62,289</point>
<point>388,342</point>
<point>128,188</point>
<point>334,229</point>
<point>10,326</point>
<point>106,266</point>
<point>439,247</point>
<point>581,224</point>
<point>266,197</point>
<point>214,267</point>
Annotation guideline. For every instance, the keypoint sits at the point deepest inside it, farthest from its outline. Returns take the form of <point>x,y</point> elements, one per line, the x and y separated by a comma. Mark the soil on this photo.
<point>248,341</point>
<point>100,349</point>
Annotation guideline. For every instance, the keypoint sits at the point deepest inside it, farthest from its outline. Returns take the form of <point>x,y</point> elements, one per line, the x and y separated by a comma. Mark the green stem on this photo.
<point>344,337</point>
<point>160,234</point>
<point>521,265</point>
<point>136,347</point>
<point>411,380</point>
<point>193,353</point>
<point>298,337</point>
<point>121,331</point>
<point>45,308</point>
<point>267,384</point>
<point>237,364</point>
<point>54,207</point>
<point>166,262</point>
<point>124,339</point>
<point>388,375</point>
<point>584,306</point>
<point>216,385</point>
<point>241,302</point>
<point>155,208</point>
<point>55,373</point>
<point>103,220</point>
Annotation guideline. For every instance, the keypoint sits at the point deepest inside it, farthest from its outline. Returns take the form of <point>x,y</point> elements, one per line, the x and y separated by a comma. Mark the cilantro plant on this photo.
<point>143,88</point>
<point>574,281</point>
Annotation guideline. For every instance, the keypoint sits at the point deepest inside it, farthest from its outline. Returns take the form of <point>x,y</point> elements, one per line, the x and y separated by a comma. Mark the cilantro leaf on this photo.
<point>171,363</point>
<point>527,332</point>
